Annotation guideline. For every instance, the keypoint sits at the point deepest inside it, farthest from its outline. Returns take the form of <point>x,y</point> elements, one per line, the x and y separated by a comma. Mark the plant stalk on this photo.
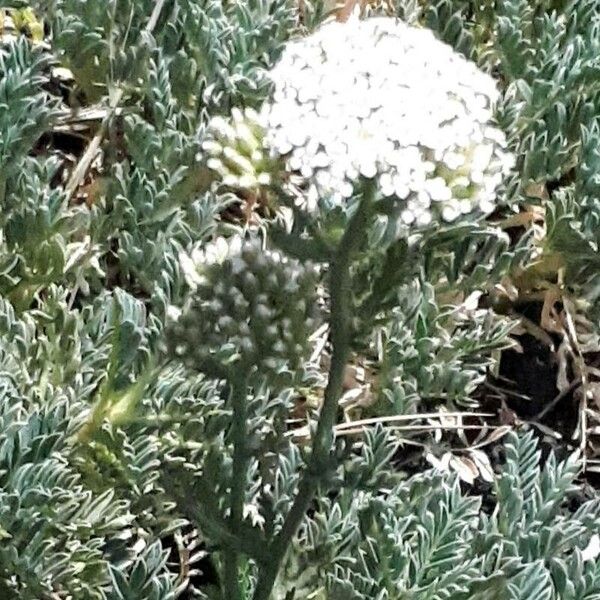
<point>340,290</point>
<point>239,405</point>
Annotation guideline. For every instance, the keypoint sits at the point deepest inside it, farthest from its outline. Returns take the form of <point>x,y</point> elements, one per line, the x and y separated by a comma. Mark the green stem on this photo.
<point>340,289</point>
<point>239,405</point>
<point>231,572</point>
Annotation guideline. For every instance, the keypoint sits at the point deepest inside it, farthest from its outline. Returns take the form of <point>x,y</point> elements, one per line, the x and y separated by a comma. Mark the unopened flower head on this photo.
<point>385,101</point>
<point>234,150</point>
<point>250,304</point>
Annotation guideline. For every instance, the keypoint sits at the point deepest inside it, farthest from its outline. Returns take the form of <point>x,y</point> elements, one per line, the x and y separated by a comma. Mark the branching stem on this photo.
<point>239,403</point>
<point>340,290</point>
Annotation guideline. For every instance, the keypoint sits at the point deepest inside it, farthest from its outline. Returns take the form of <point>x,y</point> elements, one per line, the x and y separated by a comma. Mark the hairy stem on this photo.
<point>238,483</point>
<point>340,290</point>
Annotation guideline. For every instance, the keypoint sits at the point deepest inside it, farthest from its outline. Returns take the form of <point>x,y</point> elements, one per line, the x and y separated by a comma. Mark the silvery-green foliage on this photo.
<point>425,538</point>
<point>146,578</point>
<point>102,43</point>
<point>154,202</point>
<point>28,109</point>
<point>33,245</point>
<point>198,455</point>
<point>555,88</point>
<point>572,218</point>
<point>65,526</point>
<point>105,449</point>
<point>97,359</point>
<point>229,46</point>
<point>218,51</point>
<point>432,353</point>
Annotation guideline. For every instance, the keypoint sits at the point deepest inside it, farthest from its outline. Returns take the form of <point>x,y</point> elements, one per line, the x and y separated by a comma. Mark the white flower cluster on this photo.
<point>236,150</point>
<point>387,101</point>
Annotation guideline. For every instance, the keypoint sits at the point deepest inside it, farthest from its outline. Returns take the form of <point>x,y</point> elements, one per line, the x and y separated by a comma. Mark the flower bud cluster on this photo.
<point>253,304</point>
<point>382,100</point>
<point>236,151</point>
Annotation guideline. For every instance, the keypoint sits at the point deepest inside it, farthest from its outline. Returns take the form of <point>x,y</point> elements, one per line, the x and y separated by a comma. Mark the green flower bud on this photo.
<point>262,313</point>
<point>249,285</point>
<point>234,149</point>
<point>271,333</point>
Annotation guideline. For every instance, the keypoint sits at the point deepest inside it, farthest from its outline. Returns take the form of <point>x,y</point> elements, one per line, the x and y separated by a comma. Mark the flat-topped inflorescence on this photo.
<point>381,100</point>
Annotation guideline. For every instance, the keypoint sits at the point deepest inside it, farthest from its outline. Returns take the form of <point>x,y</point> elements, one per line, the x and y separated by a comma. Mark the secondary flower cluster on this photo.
<point>236,150</point>
<point>250,305</point>
<point>380,99</point>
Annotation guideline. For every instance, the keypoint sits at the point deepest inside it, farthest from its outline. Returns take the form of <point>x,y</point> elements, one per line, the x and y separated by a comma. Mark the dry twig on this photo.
<point>86,159</point>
